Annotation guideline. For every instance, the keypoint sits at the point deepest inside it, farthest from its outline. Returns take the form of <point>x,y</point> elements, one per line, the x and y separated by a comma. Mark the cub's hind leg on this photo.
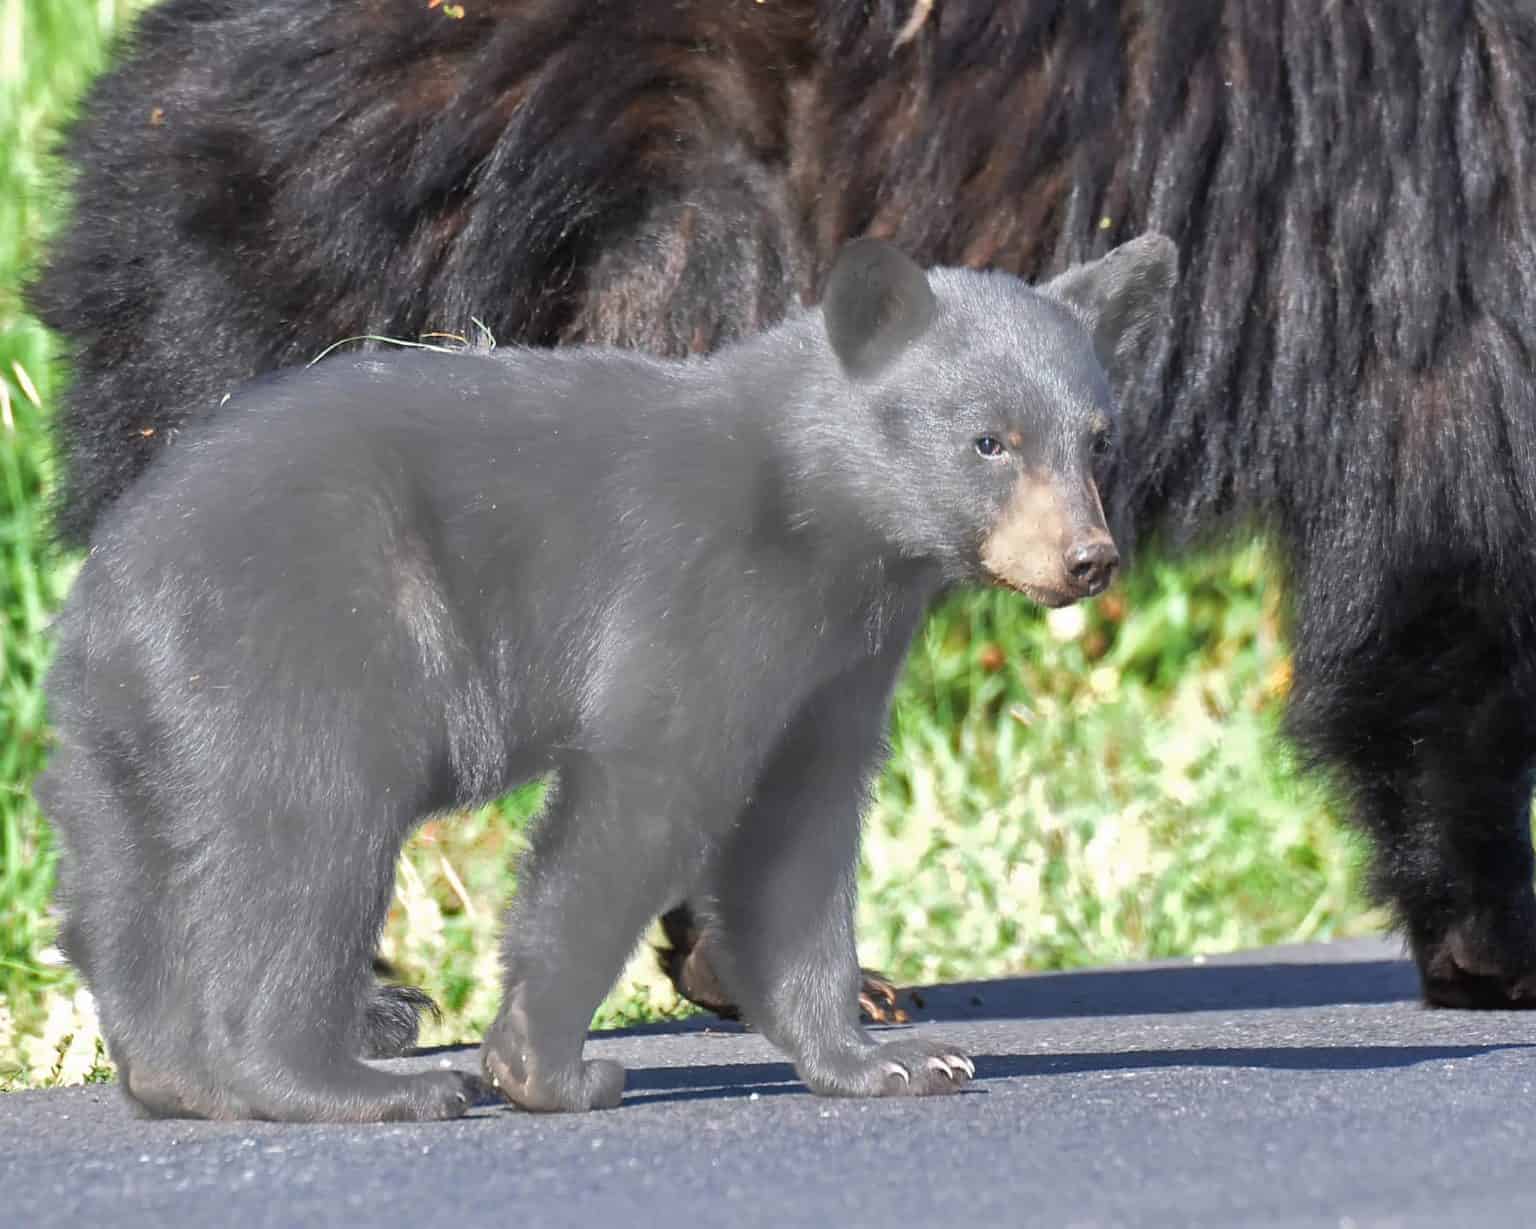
<point>292,992</point>
<point>120,926</point>
<point>228,949</point>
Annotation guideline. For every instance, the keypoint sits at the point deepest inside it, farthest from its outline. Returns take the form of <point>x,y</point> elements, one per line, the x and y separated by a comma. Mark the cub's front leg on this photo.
<point>784,883</point>
<point>615,843</point>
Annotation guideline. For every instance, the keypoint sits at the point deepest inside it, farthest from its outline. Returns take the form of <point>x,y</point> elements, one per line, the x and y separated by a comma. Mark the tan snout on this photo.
<point>1051,544</point>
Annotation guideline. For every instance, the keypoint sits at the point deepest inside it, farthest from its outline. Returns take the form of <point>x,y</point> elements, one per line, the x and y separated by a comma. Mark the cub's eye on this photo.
<point>991,447</point>
<point>1100,447</point>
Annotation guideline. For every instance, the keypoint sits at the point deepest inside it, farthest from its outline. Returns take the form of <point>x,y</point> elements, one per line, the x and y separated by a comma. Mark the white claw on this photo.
<point>960,1062</point>
<point>952,1065</point>
<point>897,1069</point>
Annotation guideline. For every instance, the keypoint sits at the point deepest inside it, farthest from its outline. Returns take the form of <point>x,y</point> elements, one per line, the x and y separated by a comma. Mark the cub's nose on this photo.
<point>1091,565</point>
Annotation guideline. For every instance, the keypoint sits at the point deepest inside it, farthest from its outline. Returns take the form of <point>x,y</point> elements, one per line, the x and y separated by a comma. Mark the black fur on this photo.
<point>392,1021</point>
<point>1349,366</point>
<point>393,585</point>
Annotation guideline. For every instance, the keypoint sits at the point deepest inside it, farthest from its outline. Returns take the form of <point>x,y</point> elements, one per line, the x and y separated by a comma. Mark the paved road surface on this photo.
<point>1294,1086</point>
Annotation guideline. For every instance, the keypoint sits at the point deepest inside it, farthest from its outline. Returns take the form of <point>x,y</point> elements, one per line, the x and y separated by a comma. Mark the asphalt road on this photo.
<point>1294,1086</point>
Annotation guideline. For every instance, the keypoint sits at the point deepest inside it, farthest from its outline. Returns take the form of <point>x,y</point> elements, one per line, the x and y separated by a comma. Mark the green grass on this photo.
<point>1101,783</point>
<point>48,49</point>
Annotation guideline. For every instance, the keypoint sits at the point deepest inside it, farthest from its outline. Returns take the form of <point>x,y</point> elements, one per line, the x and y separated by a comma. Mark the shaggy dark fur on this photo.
<point>1350,186</point>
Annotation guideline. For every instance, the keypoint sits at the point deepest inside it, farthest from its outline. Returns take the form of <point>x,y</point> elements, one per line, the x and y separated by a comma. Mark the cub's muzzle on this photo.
<point>1051,542</point>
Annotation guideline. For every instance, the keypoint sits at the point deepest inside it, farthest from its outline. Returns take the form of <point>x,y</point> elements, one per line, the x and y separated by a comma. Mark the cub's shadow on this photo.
<point>1218,986</point>
<point>724,1082</point>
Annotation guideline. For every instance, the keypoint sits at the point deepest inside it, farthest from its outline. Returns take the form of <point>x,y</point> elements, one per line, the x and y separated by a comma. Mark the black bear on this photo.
<point>390,585</point>
<point>1348,365</point>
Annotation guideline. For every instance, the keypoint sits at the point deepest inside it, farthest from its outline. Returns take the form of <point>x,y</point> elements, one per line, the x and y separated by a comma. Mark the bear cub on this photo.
<point>394,584</point>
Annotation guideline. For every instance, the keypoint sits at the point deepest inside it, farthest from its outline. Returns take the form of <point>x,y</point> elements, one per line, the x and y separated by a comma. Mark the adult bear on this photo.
<point>1347,367</point>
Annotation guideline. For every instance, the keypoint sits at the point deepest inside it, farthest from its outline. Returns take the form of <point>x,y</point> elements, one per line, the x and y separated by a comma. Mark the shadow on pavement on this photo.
<point>703,1083</point>
<point>1149,990</point>
<point>648,1085</point>
<point>1209,987</point>
<point>1272,1058</point>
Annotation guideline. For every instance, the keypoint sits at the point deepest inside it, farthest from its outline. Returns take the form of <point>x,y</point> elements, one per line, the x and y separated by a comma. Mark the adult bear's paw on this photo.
<point>1484,960</point>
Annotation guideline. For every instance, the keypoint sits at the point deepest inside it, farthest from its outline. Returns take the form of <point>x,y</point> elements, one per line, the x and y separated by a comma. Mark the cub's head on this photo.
<point>986,406</point>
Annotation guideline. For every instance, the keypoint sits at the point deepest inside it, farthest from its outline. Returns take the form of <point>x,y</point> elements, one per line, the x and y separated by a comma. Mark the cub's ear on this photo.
<point>1126,297</point>
<point>877,302</point>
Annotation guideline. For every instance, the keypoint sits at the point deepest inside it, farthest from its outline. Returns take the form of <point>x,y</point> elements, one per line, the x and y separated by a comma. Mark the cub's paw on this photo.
<point>432,1096</point>
<point>593,1084</point>
<point>907,1068</point>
